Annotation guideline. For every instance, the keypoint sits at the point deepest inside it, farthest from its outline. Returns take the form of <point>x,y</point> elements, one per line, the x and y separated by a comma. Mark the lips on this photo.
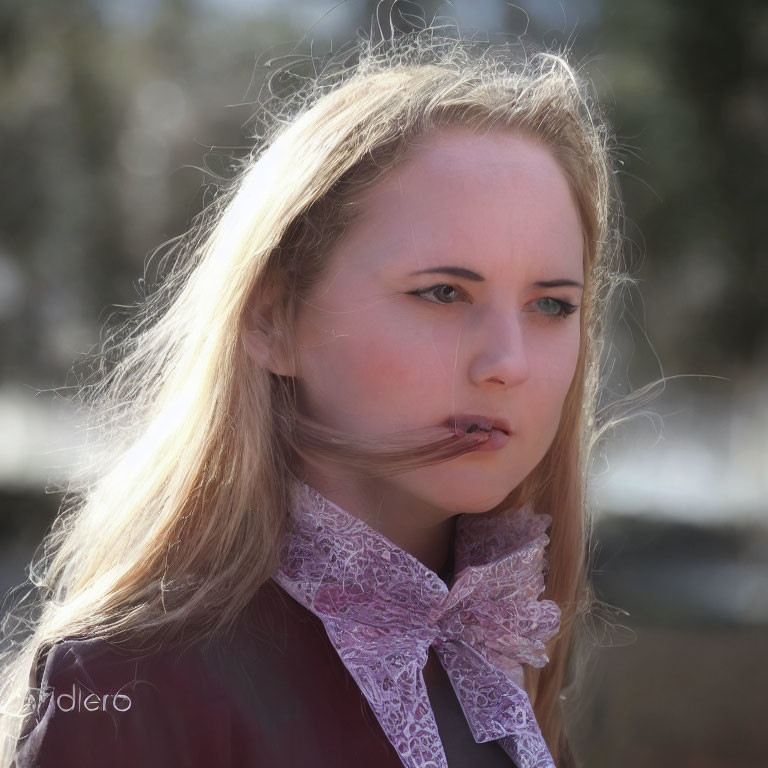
<point>463,423</point>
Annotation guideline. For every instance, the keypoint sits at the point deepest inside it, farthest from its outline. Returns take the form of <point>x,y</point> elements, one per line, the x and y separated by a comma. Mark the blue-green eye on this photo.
<point>557,308</point>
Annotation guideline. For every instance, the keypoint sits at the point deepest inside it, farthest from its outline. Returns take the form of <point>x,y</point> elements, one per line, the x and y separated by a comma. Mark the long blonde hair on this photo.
<point>178,516</point>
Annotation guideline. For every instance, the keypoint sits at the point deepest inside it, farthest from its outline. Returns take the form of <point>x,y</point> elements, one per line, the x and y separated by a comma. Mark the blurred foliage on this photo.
<point>108,108</point>
<point>691,91</point>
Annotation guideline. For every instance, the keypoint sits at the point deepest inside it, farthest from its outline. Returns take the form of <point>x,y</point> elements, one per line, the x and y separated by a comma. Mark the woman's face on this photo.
<point>445,299</point>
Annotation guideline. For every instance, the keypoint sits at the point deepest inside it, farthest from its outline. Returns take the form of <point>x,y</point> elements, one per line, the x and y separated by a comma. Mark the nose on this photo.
<point>499,354</point>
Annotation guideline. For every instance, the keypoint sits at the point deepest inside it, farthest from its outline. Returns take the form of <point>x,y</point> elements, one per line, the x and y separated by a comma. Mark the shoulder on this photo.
<point>210,704</point>
<point>239,700</point>
<point>98,704</point>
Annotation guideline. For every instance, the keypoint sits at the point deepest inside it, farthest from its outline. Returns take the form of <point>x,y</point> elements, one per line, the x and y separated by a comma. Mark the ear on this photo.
<point>265,342</point>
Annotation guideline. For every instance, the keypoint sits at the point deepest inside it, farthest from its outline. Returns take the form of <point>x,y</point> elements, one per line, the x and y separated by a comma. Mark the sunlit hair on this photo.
<point>179,514</point>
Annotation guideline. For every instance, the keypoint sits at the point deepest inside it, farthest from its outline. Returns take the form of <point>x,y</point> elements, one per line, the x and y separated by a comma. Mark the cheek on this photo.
<point>555,367</point>
<point>558,359</point>
<point>372,363</point>
<point>414,366</point>
<point>395,368</point>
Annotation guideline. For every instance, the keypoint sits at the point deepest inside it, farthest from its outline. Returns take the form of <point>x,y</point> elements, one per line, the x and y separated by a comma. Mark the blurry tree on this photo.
<point>105,112</point>
<point>689,83</point>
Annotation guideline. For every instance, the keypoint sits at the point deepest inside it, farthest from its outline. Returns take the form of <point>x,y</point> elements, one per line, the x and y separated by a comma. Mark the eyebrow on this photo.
<point>470,275</point>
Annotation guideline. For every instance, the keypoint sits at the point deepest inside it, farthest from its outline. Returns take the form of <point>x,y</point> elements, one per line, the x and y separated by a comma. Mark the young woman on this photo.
<point>337,441</point>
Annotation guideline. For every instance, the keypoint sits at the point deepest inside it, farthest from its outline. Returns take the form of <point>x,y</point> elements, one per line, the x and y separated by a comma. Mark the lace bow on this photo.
<point>383,609</point>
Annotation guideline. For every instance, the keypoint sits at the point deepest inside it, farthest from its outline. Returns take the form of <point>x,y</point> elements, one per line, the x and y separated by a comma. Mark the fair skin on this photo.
<point>376,358</point>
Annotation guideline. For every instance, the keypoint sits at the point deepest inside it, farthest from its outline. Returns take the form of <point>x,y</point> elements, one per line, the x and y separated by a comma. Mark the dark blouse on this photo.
<point>275,695</point>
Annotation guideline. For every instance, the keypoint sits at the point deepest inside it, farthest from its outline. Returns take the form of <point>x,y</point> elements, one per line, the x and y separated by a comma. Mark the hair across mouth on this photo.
<point>472,424</point>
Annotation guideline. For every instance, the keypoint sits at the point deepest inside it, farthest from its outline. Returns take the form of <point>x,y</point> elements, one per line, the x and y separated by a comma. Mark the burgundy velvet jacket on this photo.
<point>275,695</point>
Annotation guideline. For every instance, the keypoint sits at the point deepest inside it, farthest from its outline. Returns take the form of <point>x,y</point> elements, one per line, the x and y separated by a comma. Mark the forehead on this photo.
<point>495,194</point>
<point>459,150</point>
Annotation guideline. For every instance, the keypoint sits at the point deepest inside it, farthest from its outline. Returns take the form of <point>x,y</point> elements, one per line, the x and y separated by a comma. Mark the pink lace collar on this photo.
<point>383,609</point>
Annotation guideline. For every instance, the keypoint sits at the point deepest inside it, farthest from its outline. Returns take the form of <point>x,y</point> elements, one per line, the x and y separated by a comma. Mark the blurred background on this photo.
<point>117,116</point>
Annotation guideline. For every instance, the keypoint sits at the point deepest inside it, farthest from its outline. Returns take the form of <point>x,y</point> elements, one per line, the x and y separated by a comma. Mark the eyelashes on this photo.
<point>423,292</point>
<point>564,308</point>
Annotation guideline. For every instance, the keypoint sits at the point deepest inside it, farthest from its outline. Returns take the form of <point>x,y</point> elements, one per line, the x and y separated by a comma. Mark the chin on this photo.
<point>458,492</point>
<point>475,489</point>
<point>475,503</point>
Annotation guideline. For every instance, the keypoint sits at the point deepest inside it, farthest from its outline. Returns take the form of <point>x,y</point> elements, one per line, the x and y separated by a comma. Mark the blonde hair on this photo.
<point>179,515</point>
